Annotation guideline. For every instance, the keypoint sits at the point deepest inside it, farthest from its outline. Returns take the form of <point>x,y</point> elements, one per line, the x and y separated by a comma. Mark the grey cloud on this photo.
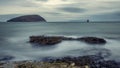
<point>112,2</point>
<point>14,2</point>
<point>108,16</point>
<point>78,9</point>
<point>52,13</point>
<point>30,4</point>
<point>76,4</point>
<point>111,16</point>
<point>5,2</point>
<point>64,0</point>
<point>42,0</point>
<point>72,9</point>
<point>21,3</point>
<point>1,1</point>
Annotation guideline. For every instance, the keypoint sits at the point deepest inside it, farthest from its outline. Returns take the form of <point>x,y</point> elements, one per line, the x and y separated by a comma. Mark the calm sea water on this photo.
<point>14,39</point>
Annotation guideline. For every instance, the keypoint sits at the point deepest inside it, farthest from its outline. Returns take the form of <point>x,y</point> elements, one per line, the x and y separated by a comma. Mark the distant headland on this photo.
<point>27,18</point>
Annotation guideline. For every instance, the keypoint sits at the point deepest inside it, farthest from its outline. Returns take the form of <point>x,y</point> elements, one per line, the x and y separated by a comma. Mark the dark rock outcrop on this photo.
<point>51,40</point>
<point>81,60</point>
<point>28,18</point>
<point>93,61</point>
<point>45,40</point>
<point>92,40</point>
<point>110,64</point>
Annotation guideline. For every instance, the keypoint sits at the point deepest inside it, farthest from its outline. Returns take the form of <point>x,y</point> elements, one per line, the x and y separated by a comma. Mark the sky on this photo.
<point>62,10</point>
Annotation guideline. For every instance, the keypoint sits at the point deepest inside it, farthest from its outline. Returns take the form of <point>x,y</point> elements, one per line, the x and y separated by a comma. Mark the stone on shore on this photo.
<point>89,61</point>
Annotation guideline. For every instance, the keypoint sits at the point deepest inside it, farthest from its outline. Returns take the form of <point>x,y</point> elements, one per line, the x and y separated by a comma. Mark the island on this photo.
<point>28,18</point>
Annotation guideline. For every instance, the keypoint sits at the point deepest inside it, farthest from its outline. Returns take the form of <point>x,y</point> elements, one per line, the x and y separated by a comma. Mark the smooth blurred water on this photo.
<point>14,39</point>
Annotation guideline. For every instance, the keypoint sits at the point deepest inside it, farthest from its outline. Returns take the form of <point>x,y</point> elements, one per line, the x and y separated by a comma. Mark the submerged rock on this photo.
<point>28,18</point>
<point>45,40</point>
<point>51,40</point>
<point>110,64</point>
<point>92,40</point>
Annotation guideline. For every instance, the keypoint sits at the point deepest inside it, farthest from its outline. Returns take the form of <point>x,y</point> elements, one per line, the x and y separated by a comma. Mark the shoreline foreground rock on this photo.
<point>28,18</point>
<point>52,40</point>
<point>88,61</point>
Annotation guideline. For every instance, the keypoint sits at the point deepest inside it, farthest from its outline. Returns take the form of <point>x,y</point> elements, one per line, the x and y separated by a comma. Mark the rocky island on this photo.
<point>28,18</point>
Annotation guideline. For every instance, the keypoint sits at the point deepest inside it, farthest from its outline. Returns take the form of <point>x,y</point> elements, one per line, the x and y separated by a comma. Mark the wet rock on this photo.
<point>109,64</point>
<point>91,60</point>
<point>88,61</point>
<point>45,40</point>
<point>47,65</point>
<point>92,40</point>
<point>51,40</point>
<point>1,64</point>
<point>68,38</point>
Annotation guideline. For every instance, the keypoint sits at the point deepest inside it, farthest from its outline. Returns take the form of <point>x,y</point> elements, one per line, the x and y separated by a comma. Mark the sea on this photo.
<point>14,40</point>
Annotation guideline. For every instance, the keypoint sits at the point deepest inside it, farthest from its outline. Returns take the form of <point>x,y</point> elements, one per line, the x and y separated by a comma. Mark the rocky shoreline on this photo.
<point>89,61</point>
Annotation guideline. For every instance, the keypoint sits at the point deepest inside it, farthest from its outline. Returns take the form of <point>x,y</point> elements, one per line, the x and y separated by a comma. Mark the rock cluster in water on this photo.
<point>51,40</point>
<point>28,18</point>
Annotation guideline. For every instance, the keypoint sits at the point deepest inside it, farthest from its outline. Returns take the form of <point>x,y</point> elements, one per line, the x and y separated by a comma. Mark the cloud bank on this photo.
<point>62,10</point>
